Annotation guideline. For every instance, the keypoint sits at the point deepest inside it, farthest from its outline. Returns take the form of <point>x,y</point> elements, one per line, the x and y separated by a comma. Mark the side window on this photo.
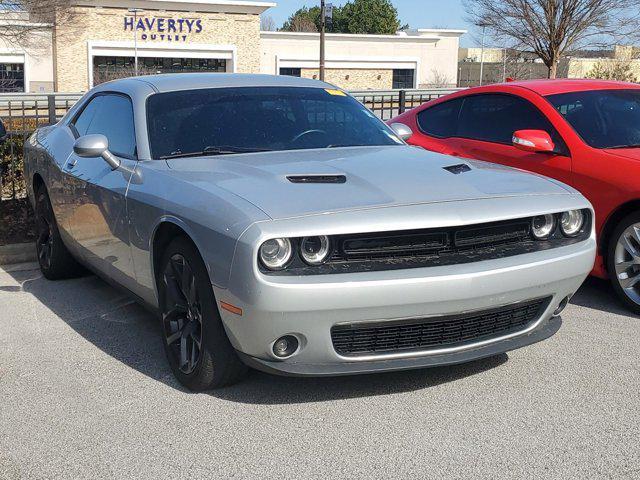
<point>112,116</point>
<point>83,122</point>
<point>440,120</point>
<point>494,118</point>
<point>114,120</point>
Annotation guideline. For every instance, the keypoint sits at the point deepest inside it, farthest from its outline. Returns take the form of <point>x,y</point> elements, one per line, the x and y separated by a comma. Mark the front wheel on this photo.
<point>623,261</point>
<point>195,342</point>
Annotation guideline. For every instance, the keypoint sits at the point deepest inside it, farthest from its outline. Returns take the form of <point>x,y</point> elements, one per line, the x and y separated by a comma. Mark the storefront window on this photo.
<point>11,77</point>
<point>403,78</point>
<point>111,68</point>
<point>291,72</point>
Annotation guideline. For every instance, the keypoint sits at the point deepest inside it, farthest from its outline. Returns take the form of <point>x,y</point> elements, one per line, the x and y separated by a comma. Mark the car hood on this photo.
<point>375,177</point>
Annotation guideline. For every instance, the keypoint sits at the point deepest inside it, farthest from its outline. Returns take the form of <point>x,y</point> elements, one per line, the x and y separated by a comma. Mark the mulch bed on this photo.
<point>16,222</point>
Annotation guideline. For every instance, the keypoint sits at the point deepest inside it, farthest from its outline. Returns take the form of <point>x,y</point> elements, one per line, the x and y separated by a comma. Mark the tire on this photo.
<point>195,342</point>
<point>55,261</point>
<point>623,261</point>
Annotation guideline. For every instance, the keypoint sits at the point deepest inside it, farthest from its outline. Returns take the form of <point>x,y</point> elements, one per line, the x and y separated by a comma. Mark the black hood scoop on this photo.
<point>317,178</point>
<point>458,169</point>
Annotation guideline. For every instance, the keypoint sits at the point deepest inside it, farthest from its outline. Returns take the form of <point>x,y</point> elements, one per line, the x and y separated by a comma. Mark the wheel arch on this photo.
<point>37,182</point>
<point>612,221</point>
<point>164,232</point>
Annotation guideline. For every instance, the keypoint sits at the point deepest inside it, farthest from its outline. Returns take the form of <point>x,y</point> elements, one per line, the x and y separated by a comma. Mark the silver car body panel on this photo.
<point>229,205</point>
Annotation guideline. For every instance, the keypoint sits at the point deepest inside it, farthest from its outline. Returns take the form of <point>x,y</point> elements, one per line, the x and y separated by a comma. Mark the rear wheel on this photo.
<point>623,261</point>
<point>196,344</point>
<point>55,260</point>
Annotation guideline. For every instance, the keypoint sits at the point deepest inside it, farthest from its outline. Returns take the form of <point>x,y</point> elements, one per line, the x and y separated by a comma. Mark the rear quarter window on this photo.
<point>441,120</point>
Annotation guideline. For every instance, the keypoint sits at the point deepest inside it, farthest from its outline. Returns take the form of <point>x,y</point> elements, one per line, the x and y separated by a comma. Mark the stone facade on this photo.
<point>108,24</point>
<point>354,79</point>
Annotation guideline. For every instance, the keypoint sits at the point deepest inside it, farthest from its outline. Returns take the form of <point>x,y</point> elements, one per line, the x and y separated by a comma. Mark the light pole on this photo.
<point>482,53</point>
<point>135,12</point>
<point>504,64</point>
<point>322,29</point>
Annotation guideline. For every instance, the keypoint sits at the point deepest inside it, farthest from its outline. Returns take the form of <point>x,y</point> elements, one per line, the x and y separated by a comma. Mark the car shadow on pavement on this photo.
<point>265,389</point>
<point>598,294</point>
<point>112,322</point>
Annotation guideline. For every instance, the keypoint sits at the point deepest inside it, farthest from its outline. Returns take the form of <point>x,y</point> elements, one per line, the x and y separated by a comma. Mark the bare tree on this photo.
<point>300,23</point>
<point>102,75</point>
<point>267,23</point>
<point>440,79</point>
<point>20,19</point>
<point>11,85</point>
<point>550,28</point>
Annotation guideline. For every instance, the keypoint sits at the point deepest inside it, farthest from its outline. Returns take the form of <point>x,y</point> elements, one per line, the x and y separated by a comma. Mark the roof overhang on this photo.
<point>209,6</point>
<point>350,36</point>
<point>442,31</point>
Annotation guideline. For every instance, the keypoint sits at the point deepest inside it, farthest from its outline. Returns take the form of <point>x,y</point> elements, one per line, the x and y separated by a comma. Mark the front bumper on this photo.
<point>308,307</point>
<point>546,330</point>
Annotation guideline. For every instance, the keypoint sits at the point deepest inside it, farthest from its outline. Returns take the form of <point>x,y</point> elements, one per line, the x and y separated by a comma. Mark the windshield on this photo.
<point>603,118</point>
<point>221,121</point>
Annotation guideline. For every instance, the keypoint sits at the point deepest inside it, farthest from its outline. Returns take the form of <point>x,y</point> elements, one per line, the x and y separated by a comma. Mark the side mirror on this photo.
<point>96,145</point>
<point>536,141</point>
<point>3,132</point>
<point>402,130</point>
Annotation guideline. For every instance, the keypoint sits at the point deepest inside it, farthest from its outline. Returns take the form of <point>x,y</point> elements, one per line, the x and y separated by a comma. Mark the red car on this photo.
<point>585,133</point>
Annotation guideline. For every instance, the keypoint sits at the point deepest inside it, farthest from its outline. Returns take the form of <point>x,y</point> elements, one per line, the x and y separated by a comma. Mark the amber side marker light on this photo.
<point>231,308</point>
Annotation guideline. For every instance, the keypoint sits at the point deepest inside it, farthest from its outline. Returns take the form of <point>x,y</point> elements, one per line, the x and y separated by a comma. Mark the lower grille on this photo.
<point>435,332</point>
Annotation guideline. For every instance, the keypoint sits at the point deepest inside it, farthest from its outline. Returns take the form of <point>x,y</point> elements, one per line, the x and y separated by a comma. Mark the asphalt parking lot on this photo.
<point>85,392</point>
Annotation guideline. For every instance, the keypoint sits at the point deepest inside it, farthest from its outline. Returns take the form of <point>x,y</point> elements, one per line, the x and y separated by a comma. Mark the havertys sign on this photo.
<point>169,29</point>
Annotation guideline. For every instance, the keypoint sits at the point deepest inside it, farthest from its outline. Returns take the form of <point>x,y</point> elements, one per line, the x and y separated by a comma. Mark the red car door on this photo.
<point>486,126</point>
<point>481,126</point>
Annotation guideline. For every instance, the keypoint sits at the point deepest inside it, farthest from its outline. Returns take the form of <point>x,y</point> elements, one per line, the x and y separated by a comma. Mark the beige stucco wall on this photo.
<point>490,55</point>
<point>354,79</point>
<point>432,53</point>
<point>35,51</point>
<point>107,24</point>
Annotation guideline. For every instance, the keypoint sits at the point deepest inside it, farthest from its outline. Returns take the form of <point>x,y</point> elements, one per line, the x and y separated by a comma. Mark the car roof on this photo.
<point>170,82</point>
<point>546,87</point>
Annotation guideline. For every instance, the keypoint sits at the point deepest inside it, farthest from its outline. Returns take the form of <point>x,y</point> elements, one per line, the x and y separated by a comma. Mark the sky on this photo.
<point>417,13</point>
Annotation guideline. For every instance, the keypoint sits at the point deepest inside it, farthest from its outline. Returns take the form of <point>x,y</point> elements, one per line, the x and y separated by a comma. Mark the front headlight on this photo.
<point>276,253</point>
<point>571,222</point>
<point>543,226</point>
<point>315,250</point>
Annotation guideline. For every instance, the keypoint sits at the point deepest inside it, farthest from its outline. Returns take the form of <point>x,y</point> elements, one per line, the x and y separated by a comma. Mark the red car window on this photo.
<point>441,120</point>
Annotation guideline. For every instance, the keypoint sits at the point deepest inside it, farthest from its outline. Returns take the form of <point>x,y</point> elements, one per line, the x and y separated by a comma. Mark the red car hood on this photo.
<point>632,153</point>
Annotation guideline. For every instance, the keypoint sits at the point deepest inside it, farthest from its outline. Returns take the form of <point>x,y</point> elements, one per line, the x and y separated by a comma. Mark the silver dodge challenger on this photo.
<point>276,223</point>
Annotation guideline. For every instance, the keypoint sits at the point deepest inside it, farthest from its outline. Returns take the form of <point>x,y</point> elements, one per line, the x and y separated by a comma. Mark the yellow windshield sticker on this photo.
<point>333,91</point>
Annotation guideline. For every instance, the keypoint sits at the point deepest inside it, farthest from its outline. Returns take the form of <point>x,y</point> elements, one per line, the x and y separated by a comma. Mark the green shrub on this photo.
<point>11,166</point>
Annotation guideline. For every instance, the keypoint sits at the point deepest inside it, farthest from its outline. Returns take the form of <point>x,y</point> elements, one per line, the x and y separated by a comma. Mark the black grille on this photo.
<point>432,247</point>
<point>435,332</point>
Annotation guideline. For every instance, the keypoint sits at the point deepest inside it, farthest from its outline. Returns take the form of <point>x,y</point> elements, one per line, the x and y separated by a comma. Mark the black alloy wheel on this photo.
<point>182,319</point>
<point>194,338</point>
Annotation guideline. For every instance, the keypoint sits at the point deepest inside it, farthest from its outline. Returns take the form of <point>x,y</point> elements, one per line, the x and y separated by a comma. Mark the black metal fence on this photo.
<point>23,113</point>
<point>389,103</point>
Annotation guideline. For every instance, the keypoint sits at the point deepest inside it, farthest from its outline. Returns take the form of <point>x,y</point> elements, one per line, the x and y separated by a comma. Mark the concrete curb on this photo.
<point>17,253</point>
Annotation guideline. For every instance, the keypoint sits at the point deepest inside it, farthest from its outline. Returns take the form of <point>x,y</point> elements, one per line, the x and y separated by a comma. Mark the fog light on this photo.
<point>562,306</point>
<point>285,346</point>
